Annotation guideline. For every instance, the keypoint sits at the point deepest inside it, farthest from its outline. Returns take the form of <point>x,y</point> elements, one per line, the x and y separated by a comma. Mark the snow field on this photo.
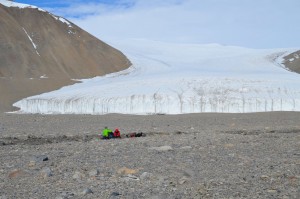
<point>169,78</point>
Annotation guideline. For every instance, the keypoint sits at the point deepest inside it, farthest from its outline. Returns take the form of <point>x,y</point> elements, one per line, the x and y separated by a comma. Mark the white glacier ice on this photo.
<point>170,78</point>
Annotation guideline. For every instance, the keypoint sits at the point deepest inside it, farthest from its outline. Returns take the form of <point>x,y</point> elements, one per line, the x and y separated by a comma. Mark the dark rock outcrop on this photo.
<point>292,62</point>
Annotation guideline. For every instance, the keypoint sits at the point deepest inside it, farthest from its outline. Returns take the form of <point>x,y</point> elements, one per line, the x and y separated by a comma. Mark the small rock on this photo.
<point>65,195</point>
<point>38,159</point>
<point>68,194</point>
<point>264,177</point>
<point>15,173</point>
<point>182,180</point>
<point>202,190</point>
<point>86,191</point>
<point>272,191</point>
<point>94,172</point>
<point>162,148</point>
<point>186,147</point>
<point>78,176</point>
<point>115,194</point>
<point>42,158</point>
<point>145,176</point>
<point>32,163</point>
<point>125,171</point>
<point>131,177</point>
<point>46,172</point>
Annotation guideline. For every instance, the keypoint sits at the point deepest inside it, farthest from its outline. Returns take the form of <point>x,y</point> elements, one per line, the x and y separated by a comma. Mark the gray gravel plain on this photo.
<point>255,155</point>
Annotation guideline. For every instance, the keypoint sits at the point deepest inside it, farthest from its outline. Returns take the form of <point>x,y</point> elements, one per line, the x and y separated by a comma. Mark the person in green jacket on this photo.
<point>106,133</point>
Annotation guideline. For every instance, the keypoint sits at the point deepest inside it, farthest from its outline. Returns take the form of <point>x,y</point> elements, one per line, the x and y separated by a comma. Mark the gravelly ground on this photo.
<point>182,156</point>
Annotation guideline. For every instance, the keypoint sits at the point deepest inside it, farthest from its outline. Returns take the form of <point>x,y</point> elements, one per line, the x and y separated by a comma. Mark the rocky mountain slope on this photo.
<point>40,52</point>
<point>292,61</point>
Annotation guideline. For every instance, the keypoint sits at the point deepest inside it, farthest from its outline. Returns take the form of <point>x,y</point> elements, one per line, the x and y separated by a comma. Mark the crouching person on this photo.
<point>117,133</point>
<point>107,133</point>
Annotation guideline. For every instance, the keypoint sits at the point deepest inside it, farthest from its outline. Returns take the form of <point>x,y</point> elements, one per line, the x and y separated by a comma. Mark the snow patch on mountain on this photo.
<point>18,5</point>
<point>63,20</point>
<point>33,44</point>
<point>170,78</point>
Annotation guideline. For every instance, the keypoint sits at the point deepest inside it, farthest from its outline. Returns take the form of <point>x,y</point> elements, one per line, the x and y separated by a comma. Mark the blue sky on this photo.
<point>60,3</point>
<point>247,23</point>
<point>64,7</point>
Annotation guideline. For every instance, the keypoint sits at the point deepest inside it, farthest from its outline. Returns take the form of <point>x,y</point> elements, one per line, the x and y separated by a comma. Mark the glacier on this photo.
<point>177,78</point>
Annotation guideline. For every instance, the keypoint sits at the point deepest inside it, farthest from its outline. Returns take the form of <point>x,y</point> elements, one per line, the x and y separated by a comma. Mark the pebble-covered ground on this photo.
<point>209,155</point>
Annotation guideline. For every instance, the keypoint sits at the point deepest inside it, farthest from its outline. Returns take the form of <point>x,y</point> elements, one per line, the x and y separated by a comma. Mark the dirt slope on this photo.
<point>292,61</point>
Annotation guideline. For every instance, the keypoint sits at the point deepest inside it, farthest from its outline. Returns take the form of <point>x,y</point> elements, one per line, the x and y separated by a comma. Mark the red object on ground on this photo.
<point>117,133</point>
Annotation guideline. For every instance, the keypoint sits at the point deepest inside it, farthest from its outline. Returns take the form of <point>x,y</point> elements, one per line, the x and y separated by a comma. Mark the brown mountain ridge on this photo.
<point>40,52</point>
